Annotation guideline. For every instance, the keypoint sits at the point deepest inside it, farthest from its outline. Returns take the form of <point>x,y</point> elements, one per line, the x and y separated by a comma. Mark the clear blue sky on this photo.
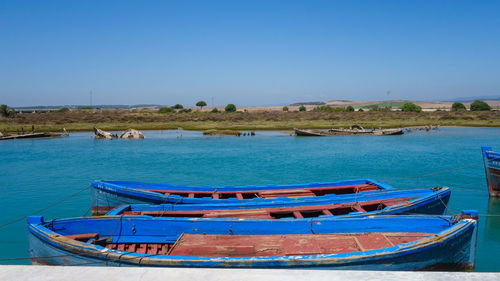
<point>246,52</point>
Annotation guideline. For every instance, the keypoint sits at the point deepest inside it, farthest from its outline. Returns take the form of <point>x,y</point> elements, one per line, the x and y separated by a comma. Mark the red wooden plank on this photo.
<point>373,241</point>
<point>298,215</point>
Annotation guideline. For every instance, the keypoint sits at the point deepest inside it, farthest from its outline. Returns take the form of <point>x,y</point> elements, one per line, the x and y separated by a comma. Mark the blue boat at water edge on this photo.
<point>492,168</point>
<point>416,242</point>
<point>109,194</point>
<point>414,201</point>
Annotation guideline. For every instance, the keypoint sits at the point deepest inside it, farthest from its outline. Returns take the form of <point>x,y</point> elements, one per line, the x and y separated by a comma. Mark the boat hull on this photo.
<point>492,168</point>
<point>418,201</point>
<point>108,195</point>
<point>452,248</point>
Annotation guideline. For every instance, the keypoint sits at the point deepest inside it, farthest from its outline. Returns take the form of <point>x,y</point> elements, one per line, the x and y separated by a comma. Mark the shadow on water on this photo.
<point>493,220</point>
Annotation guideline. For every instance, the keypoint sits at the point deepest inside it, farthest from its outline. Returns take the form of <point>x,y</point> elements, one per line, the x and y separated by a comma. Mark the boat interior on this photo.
<point>263,245</point>
<point>250,194</point>
<point>297,212</point>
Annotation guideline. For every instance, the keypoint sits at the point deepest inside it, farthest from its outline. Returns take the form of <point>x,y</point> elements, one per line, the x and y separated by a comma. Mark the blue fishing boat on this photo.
<point>415,201</point>
<point>109,194</point>
<point>492,167</point>
<point>416,242</point>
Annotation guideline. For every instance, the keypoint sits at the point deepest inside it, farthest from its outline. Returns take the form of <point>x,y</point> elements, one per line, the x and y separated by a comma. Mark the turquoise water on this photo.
<point>36,173</point>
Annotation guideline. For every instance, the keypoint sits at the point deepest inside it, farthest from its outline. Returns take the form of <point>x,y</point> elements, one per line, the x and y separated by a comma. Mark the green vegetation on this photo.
<point>109,120</point>
<point>479,105</point>
<point>5,111</point>
<point>458,106</point>
<point>302,108</point>
<point>389,104</point>
<point>410,107</point>
<point>285,108</point>
<point>349,109</point>
<point>185,110</point>
<point>178,106</point>
<point>201,104</point>
<point>62,110</point>
<point>360,110</point>
<point>327,108</point>
<point>165,110</point>
<point>86,107</point>
<point>215,110</point>
<point>230,108</point>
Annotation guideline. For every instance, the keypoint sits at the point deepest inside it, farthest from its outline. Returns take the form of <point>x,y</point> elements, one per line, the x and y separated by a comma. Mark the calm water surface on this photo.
<point>36,173</point>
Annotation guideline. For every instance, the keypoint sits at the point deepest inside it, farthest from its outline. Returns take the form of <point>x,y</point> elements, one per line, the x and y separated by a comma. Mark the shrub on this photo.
<point>185,110</point>
<point>178,106</point>
<point>410,107</point>
<point>165,110</point>
<point>479,105</point>
<point>215,110</point>
<point>326,108</point>
<point>85,107</point>
<point>230,108</point>
<point>302,108</point>
<point>201,104</point>
<point>349,109</point>
<point>62,110</point>
<point>360,110</point>
<point>285,108</point>
<point>458,106</point>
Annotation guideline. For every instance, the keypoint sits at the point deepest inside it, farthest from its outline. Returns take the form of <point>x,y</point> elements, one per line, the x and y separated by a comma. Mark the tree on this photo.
<point>4,110</point>
<point>230,108</point>
<point>201,104</point>
<point>479,105</point>
<point>165,110</point>
<point>349,108</point>
<point>215,110</point>
<point>285,108</point>
<point>178,106</point>
<point>302,108</point>
<point>410,107</point>
<point>360,110</point>
<point>458,106</point>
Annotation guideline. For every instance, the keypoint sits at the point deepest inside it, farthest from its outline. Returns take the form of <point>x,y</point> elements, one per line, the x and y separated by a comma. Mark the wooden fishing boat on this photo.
<point>30,136</point>
<point>310,133</point>
<point>353,130</point>
<point>388,132</point>
<point>109,194</point>
<point>417,242</point>
<point>492,167</point>
<point>417,201</point>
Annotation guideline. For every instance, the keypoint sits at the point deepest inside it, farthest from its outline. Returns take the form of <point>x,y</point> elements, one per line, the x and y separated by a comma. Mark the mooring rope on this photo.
<point>45,208</point>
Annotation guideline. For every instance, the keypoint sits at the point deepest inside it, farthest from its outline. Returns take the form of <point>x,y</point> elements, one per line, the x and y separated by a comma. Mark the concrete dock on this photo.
<point>77,273</point>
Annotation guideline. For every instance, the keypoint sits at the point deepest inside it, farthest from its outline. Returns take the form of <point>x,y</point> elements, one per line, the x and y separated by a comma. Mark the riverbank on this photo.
<point>81,120</point>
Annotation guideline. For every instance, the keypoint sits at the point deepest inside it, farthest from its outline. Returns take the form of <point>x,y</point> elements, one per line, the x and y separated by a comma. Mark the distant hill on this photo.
<point>471,99</point>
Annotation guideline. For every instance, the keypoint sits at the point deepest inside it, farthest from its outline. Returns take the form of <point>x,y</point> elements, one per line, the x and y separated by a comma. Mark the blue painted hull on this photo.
<point>107,195</point>
<point>427,201</point>
<point>492,168</point>
<point>452,245</point>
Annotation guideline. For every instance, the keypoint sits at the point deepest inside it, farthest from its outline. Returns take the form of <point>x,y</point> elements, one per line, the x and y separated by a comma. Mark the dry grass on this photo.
<point>254,120</point>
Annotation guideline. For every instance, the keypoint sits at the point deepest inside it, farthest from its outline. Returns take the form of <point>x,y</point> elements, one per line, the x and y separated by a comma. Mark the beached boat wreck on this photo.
<point>492,168</point>
<point>417,201</point>
<point>416,242</point>
<point>353,130</point>
<point>109,194</point>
